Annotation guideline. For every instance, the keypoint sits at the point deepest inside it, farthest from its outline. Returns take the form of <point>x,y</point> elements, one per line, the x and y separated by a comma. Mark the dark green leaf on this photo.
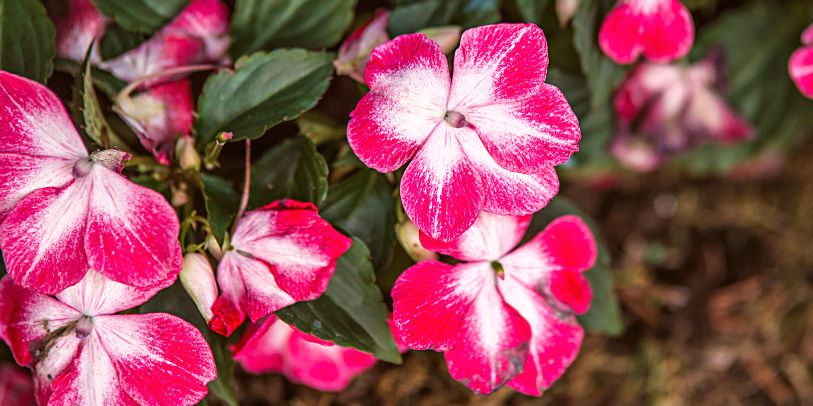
<point>95,124</point>
<point>27,39</point>
<point>223,385</point>
<point>267,24</point>
<point>532,10</point>
<point>117,41</point>
<point>364,206</point>
<point>264,90</point>
<point>292,169</point>
<point>351,313</point>
<point>145,16</point>
<point>603,75</point>
<point>103,80</point>
<point>413,16</point>
<point>221,203</point>
<point>604,315</point>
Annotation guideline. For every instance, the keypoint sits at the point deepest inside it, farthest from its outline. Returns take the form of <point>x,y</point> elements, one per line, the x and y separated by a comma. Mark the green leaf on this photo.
<point>413,16</point>
<point>351,312</point>
<point>95,124</point>
<point>603,75</point>
<point>223,386</point>
<point>103,80</point>
<point>292,169</point>
<point>27,39</point>
<point>221,203</point>
<point>604,315</point>
<point>145,16</point>
<point>117,40</point>
<point>364,206</point>
<point>267,24</point>
<point>264,90</point>
<point>532,10</point>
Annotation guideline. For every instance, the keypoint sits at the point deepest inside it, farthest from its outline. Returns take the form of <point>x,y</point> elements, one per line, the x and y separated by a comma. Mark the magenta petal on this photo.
<point>22,174</point>
<point>409,84</point>
<point>555,339</point>
<point>491,237</point>
<point>132,232</point>
<point>572,289</point>
<point>27,317</point>
<point>492,342</point>
<point>160,359</point>
<point>44,232</point>
<point>441,192</point>
<point>16,388</point>
<point>800,67</point>
<point>570,243</point>
<point>661,30</point>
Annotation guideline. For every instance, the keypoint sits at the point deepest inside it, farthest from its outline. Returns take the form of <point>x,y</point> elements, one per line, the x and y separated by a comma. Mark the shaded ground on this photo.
<point>716,282</point>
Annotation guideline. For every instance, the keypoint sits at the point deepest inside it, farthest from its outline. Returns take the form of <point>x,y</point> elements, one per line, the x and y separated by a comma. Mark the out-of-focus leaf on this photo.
<point>292,169</point>
<point>532,10</point>
<point>117,40</point>
<point>264,90</point>
<point>363,205</point>
<point>412,16</point>
<point>603,75</point>
<point>351,312</point>
<point>223,386</point>
<point>320,128</point>
<point>103,80</point>
<point>267,24</point>
<point>95,124</point>
<point>221,203</point>
<point>145,16</point>
<point>27,39</point>
<point>604,315</point>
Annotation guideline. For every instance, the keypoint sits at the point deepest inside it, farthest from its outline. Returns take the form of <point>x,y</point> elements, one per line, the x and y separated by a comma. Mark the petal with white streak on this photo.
<point>491,237</point>
<point>96,294</point>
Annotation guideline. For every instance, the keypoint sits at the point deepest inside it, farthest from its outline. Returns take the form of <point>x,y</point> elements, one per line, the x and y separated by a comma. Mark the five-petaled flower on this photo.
<point>487,140</point>
<point>65,211</point>
<point>800,65</point>
<point>661,30</point>
<point>500,317</point>
<point>83,353</point>
<point>271,346</point>
<point>280,254</point>
<point>663,110</point>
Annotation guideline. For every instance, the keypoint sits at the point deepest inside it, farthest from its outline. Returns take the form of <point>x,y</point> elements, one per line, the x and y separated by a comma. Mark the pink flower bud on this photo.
<point>355,50</point>
<point>198,279</point>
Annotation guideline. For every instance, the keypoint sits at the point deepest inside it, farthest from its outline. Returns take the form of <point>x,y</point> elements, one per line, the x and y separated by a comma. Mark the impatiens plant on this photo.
<point>303,188</point>
<point>504,315</point>
<point>82,352</point>
<point>485,141</point>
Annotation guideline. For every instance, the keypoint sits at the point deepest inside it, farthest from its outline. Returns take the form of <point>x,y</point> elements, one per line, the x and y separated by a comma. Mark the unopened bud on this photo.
<point>566,9</point>
<point>409,237</point>
<point>188,157</point>
<point>356,49</point>
<point>198,280</point>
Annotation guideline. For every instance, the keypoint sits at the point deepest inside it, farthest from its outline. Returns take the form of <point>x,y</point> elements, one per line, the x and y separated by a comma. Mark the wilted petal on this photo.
<point>491,237</point>
<point>661,30</point>
<point>208,21</point>
<point>409,83</point>
<point>77,28</point>
<point>273,346</point>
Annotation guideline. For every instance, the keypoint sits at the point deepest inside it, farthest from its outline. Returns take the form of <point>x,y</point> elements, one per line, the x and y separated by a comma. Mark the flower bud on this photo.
<point>566,9</point>
<point>409,237</point>
<point>198,279</point>
<point>356,49</point>
<point>188,157</point>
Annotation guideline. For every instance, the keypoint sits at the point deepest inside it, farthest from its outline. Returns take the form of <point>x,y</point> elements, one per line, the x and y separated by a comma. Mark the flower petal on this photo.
<point>28,317</point>
<point>492,343</point>
<point>198,280</point>
<point>96,294</point>
<point>661,30</point>
<point>77,28</point>
<point>801,70</point>
<point>555,339</point>
<point>132,232</point>
<point>208,21</point>
<point>491,237</point>
<point>354,53</point>
<point>22,174</point>
<point>60,356</point>
<point>160,359</point>
<point>45,232</point>
<point>409,82</point>
<point>16,388</point>
<point>250,285</point>
<point>440,190</point>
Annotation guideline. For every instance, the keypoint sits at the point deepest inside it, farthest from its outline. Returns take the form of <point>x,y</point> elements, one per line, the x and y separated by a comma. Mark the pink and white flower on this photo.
<point>487,140</point>
<point>16,387</point>
<point>501,316</point>
<point>660,30</point>
<point>64,211</point>
<point>199,34</point>
<point>158,116</point>
<point>280,254</point>
<point>83,353</point>
<point>272,346</point>
<point>800,65</point>
<point>663,110</point>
